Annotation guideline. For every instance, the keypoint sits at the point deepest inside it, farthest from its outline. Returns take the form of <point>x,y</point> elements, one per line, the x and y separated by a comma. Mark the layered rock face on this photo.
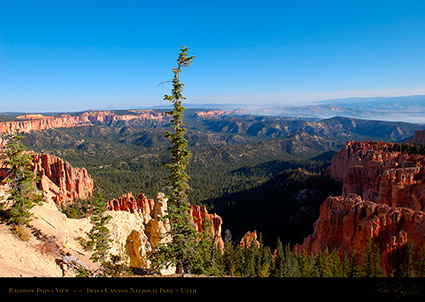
<point>58,179</point>
<point>42,123</point>
<point>370,170</point>
<point>34,122</point>
<point>383,198</point>
<point>346,223</point>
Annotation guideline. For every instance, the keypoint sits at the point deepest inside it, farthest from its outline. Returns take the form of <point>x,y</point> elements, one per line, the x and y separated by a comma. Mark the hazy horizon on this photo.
<point>409,109</point>
<point>191,104</point>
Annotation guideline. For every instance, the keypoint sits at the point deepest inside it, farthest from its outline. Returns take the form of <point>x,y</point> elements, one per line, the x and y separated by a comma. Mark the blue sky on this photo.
<point>79,55</point>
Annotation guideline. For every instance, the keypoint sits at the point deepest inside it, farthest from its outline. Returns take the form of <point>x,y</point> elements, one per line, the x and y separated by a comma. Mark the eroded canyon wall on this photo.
<point>58,179</point>
<point>383,198</point>
<point>36,122</point>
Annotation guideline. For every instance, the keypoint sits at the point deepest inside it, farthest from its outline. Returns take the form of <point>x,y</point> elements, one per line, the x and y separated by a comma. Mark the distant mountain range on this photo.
<point>404,109</point>
<point>409,109</point>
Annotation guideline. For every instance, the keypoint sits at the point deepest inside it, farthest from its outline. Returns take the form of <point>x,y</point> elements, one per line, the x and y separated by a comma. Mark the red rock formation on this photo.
<point>358,153</point>
<point>383,198</point>
<point>63,121</point>
<point>128,203</point>
<point>372,171</point>
<point>34,122</point>
<point>346,223</point>
<point>199,213</point>
<point>249,239</point>
<point>59,178</point>
<point>147,206</point>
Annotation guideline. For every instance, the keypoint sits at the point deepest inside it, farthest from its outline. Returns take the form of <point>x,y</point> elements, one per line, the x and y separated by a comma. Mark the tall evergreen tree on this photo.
<point>278,263</point>
<point>345,266</point>
<point>305,264</point>
<point>406,267</point>
<point>99,238</point>
<point>368,266</point>
<point>239,261</point>
<point>291,263</point>
<point>372,260</point>
<point>99,241</point>
<point>251,254</point>
<point>336,265</point>
<point>264,259</point>
<point>420,263</point>
<point>354,268</point>
<point>377,268</point>
<point>265,262</point>
<point>22,192</point>
<point>229,259</point>
<point>323,263</point>
<point>182,249</point>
